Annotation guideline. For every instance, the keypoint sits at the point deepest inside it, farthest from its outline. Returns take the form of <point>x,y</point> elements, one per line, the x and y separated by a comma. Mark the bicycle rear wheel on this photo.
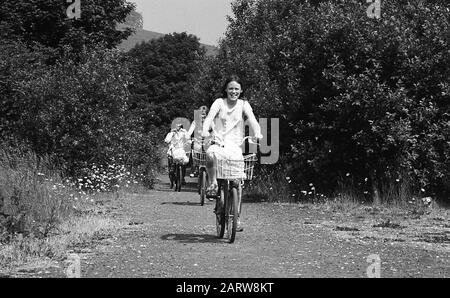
<point>232,214</point>
<point>179,177</point>
<point>220,213</point>
<point>199,184</point>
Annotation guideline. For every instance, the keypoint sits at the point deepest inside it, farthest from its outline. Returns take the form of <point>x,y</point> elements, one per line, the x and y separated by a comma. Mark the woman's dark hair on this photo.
<point>232,78</point>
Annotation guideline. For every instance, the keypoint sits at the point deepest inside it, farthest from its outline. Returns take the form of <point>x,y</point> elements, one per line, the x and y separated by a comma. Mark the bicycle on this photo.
<point>230,184</point>
<point>199,160</point>
<point>176,173</point>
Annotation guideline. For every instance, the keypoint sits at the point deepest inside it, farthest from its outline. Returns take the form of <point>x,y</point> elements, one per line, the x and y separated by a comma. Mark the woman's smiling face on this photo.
<point>233,90</point>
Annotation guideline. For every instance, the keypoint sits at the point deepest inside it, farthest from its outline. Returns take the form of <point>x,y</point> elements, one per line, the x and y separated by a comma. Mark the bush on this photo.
<point>359,96</point>
<point>77,112</point>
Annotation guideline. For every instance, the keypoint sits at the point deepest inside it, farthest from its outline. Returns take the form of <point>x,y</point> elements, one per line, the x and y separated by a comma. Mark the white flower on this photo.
<point>348,174</point>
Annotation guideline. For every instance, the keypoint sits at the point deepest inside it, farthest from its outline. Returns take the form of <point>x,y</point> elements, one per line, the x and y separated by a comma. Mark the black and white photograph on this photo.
<point>224,147</point>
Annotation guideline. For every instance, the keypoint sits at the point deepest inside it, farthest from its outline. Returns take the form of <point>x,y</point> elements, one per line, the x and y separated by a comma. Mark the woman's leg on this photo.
<point>211,167</point>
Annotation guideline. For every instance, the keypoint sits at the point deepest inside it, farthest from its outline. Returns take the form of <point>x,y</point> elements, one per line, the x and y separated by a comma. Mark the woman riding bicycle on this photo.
<point>177,138</point>
<point>228,113</point>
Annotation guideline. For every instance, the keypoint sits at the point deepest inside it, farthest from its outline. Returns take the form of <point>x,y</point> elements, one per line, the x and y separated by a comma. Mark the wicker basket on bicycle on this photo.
<point>199,158</point>
<point>236,169</point>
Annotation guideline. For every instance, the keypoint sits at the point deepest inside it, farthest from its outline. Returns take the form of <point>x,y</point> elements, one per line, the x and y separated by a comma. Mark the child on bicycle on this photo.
<point>228,113</point>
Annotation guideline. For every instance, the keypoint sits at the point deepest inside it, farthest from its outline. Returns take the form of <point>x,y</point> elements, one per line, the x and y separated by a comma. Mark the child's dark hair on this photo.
<point>231,78</point>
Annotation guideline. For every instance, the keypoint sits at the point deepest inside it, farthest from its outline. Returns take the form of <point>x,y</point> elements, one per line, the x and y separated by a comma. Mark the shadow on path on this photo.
<point>182,203</point>
<point>189,187</point>
<point>192,238</point>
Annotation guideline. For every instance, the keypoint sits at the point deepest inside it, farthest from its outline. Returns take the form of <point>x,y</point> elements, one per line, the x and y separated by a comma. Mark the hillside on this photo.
<point>145,35</point>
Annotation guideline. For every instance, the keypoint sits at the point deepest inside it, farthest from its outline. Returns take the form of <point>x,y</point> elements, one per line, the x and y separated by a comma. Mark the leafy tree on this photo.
<point>46,22</point>
<point>356,95</point>
<point>165,72</point>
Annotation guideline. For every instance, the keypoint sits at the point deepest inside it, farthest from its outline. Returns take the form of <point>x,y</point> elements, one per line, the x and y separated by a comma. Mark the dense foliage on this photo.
<point>360,99</point>
<point>69,97</point>
<point>165,71</point>
<point>46,22</point>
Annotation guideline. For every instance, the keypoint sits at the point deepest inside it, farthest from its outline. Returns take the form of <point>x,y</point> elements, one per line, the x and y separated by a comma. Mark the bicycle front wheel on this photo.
<point>232,214</point>
<point>220,213</point>
<point>202,187</point>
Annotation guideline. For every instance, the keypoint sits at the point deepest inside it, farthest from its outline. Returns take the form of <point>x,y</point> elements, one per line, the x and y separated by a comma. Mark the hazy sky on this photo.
<point>204,18</point>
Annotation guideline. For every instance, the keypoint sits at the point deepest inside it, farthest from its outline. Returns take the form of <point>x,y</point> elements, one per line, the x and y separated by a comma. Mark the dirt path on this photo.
<point>175,237</point>
<point>171,235</point>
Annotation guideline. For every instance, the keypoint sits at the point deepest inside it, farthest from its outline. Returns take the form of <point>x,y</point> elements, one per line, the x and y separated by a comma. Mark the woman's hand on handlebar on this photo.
<point>258,136</point>
<point>205,134</point>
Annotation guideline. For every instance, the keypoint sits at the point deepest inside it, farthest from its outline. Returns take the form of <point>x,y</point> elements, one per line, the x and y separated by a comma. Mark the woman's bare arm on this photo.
<point>252,120</point>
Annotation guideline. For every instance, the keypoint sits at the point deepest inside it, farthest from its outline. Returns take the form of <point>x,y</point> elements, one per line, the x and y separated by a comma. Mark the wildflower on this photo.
<point>366,179</point>
<point>348,174</point>
<point>311,184</point>
<point>40,174</point>
<point>422,190</point>
<point>427,200</point>
<point>304,192</point>
<point>310,193</point>
<point>397,180</point>
<point>313,188</point>
<point>288,178</point>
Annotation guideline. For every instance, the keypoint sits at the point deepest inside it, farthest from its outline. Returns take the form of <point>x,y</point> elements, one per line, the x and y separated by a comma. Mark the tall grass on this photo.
<point>33,198</point>
<point>270,184</point>
<point>273,184</point>
<point>42,216</point>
